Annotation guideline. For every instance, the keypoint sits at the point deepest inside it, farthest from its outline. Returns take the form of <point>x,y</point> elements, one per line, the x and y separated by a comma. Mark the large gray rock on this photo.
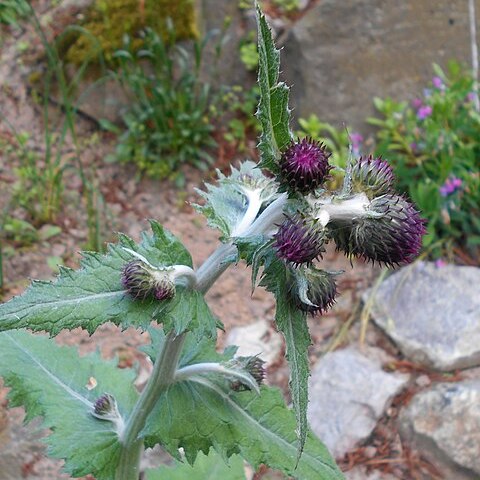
<point>341,54</point>
<point>444,424</point>
<point>432,314</point>
<point>348,394</point>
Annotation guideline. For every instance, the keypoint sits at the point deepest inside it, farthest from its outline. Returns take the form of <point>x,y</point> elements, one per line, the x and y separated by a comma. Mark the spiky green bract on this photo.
<point>372,176</point>
<point>273,112</point>
<point>313,290</point>
<point>51,382</point>
<point>226,203</point>
<point>277,278</point>
<point>389,233</point>
<point>201,413</point>
<point>211,467</point>
<point>94,294</point>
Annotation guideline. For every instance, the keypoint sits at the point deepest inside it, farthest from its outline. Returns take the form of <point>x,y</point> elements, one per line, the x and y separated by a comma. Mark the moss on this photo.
<point>109,20</point>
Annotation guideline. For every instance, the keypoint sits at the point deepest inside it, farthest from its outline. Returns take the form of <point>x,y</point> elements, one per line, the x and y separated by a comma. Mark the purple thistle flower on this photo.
<point>374,176</point>
<point>304,166</point>
<point>450,186</point>
<point>299,240</point>
<point>142,282</point>
<point>391,232</point>
<point>437,83</point>
<point>314,290</point>
<point>424,112</point>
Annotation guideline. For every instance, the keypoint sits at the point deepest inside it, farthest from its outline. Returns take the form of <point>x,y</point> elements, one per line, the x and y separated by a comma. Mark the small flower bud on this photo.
<point>253,366</point>
<point>374,176</point>
<point>105,408</point>
<point>304,166</point>
<point>313,291</point>
<point>390,232</point>
<point>299,240</point>
<point>141,281</point>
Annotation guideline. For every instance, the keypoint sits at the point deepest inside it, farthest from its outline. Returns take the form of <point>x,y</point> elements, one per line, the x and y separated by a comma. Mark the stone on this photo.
<point>258,338</point>
<point>360,473</point>
<point>349,392</point>
<point>432,314</point>
<point>341,55</point>
<point>229,70</point>
<point>443,423</point>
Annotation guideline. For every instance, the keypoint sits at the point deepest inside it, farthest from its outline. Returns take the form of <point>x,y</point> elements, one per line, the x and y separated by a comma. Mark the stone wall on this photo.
<point>341,54</point>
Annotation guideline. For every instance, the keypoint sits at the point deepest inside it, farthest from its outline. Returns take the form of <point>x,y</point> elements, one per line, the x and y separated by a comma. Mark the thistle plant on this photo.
<point>276,216</point>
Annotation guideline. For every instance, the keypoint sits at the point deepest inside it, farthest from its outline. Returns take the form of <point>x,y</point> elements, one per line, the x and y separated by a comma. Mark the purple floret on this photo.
<point>304,166</point>
<point>299,240</point>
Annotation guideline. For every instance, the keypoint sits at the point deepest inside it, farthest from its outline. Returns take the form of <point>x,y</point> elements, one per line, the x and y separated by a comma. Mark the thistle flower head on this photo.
<point>253,366</point>
<point>374,176</point>
<point>304,166</point>
<point>141,281</point>
<point>299,240</point>
<point>313,291</point>
<point>390,232</point>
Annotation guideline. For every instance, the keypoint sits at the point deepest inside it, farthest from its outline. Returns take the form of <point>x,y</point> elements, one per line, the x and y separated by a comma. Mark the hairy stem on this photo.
<point>163,374</point>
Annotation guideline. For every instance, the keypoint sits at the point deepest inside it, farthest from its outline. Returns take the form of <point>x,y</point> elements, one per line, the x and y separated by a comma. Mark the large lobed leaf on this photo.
<point>51,381</point>
<point>211,467</point>
<point>204,412</point>
<point>94,294</point>
<point>273,112</point>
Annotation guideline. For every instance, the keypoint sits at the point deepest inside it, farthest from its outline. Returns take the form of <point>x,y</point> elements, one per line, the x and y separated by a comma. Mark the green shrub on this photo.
<point>433,143</point>
<point>169,119</point>
<point>337,141</point>
<point>12,10</point>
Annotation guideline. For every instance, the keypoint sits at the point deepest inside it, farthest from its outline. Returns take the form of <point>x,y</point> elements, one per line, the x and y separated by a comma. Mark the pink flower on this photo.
<point>440,263</point>
<point>417,103</point>
<point>471,97</point>
<point>437,82</point>
<point>424,112</point>
<point>450,186</point>
<point>356,139</point>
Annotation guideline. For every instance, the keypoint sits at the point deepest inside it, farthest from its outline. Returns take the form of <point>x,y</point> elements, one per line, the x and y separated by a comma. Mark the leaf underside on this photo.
<point>51,381</point>
<point>225,204</point>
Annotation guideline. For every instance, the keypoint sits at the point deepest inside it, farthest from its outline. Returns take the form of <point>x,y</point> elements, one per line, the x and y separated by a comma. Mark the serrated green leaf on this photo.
<point>203,413</point>
<point>273,112</point>
<point>293,325</point>
<point>51,381</point>
<point>94,294</point>
<point>211,467</point>
<point>290,321</point>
